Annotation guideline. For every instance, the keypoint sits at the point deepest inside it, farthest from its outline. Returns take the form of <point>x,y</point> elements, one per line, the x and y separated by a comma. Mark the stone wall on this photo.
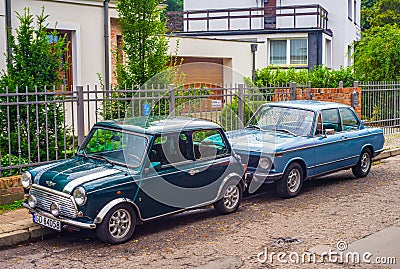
<point>11,190</point>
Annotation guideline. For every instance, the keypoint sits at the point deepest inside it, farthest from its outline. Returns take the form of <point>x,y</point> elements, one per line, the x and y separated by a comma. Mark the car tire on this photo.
<point>230,202</point>
<point>123,216</point>
<point>361,169</point>
<point>292,181</point>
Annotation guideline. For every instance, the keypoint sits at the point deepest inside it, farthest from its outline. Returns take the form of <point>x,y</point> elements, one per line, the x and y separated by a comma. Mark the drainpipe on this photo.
<point>253,50</point>
<point>8,28</point>
<point>106,48</point>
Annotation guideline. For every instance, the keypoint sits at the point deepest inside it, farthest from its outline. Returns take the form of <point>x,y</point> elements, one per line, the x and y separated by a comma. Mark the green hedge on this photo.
<point>320,77</point>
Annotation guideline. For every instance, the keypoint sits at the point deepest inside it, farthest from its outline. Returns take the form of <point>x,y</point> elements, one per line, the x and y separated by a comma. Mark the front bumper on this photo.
<point>265,177</point>
<point>65,221</point>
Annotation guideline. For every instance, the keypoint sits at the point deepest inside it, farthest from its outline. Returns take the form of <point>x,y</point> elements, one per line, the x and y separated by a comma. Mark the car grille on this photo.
<point>46,197</point>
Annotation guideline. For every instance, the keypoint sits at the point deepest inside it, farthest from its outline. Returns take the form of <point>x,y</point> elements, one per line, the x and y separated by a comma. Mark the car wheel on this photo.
<point>361,169</point>
<point>231,200</point>
<point>118,225</point>
<point>290,184</point>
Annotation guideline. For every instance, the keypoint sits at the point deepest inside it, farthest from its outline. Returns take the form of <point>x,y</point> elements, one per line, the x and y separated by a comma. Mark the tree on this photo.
<point>385,12</point>
<point>35,63</point>
<point>144,43</point>
<point>377,54</point>
<point>380,13</point>
<point>174,5</point>
<point>366,12</point>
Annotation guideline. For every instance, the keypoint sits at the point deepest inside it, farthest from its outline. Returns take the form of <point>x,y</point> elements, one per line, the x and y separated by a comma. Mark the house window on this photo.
<point>66,75</point>
<point>298,51</point>
<point>328,52</point>
<point>355,11</point>
<point>349,55</point>
<point>289,52</point>
<point>278,52</point>
<point>350,9</point>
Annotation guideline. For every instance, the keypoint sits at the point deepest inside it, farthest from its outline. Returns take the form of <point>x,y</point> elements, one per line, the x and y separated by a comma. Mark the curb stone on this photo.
<point>24,235</point>
<point>387,154</point>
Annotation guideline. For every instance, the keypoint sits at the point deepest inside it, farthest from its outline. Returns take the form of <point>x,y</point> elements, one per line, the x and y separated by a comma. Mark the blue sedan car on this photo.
<point>288,142</point>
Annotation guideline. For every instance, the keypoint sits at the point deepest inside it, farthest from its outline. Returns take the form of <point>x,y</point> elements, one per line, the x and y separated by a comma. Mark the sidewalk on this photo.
<point>16,227</point>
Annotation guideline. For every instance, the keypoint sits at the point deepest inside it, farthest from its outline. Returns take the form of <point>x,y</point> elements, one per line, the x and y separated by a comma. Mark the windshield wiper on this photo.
<point>254,127</point>
<point>100,157</point>
<point>285,131</point>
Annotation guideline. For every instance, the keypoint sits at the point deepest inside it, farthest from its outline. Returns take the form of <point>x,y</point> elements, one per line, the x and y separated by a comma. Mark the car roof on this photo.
<point>158,124</point>
<point>307,104</point>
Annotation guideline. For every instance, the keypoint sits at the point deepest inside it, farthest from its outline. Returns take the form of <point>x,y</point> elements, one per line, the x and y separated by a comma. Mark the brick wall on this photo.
<point>10,190</point>
<point>338,95</point>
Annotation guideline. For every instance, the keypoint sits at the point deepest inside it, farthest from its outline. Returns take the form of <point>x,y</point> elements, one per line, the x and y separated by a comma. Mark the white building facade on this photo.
<point>292,33</point>
<point>83,24</point>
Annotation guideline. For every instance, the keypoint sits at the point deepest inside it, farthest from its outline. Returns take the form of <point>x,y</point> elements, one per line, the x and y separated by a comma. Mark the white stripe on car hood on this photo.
<point>75,183</point>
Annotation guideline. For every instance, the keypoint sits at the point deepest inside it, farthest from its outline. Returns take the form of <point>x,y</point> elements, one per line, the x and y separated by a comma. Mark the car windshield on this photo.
<point>293,121</point>
<point>114,147</point>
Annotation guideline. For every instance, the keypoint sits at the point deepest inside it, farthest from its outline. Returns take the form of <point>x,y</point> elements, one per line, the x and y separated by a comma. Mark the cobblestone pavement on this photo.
<point>334,208</point>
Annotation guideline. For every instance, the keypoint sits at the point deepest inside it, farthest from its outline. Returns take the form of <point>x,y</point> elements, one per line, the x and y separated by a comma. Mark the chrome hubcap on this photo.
<point>365,162</point>
<point>231,197</point>
<point>294,180</point>
<point>120,223</point>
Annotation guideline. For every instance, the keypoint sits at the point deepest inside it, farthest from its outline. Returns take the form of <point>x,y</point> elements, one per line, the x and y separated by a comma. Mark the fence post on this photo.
<point>356,84</point>
<point>293,89</point>
<point>80,114</point>
<point>241,106</point>
<point>171,99</point>
<point>340,84</point>
<point>309,94</point>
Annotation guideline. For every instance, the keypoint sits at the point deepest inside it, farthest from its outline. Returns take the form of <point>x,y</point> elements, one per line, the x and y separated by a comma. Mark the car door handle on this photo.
<point>345,137</point>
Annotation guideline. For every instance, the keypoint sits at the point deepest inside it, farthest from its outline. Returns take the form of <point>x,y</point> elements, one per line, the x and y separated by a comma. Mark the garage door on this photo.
<point>200,70</point>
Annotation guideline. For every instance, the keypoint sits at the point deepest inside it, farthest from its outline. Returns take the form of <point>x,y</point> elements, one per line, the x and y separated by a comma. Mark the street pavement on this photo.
<point>17,228</point>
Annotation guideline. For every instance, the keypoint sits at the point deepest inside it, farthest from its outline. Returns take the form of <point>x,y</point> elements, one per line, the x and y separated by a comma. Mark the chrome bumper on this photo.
<point>61,219</point>
<point>266,177</point>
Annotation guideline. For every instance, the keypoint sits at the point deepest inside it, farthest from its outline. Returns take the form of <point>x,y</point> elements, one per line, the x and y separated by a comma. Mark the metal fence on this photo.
<point>42,125</point>
<point>381,105</point>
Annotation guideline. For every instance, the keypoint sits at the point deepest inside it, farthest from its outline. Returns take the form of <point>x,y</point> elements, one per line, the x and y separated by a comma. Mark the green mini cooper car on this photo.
<point>127,172</point>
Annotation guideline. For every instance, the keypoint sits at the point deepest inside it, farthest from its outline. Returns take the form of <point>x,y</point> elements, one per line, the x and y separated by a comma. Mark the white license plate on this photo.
<point>48,222</point>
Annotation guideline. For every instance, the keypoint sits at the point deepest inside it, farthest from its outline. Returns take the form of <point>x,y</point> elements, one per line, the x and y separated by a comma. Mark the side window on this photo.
<point>331,120</point>
<point>169,149</point>
<point>318,129</point>
<point>349,120</point>
<point>104,140</point>
<point>208,143</point>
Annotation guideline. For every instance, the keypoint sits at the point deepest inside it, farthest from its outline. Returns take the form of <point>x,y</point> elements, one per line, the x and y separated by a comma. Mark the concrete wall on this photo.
<point>237,55</point>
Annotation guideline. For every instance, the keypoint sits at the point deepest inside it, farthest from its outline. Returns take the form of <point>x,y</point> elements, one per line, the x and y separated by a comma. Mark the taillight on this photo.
<point>245,167</point>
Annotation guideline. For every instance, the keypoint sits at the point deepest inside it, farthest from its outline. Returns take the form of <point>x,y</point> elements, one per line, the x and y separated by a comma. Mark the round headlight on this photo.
<point>26,180</point>
<point>80,196</point>
<point>55,209</point>
<point>32,202</point>
<point>264,163</point>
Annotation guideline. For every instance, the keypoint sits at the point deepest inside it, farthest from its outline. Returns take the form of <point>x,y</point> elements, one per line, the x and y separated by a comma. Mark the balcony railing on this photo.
<point>283,17</point>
